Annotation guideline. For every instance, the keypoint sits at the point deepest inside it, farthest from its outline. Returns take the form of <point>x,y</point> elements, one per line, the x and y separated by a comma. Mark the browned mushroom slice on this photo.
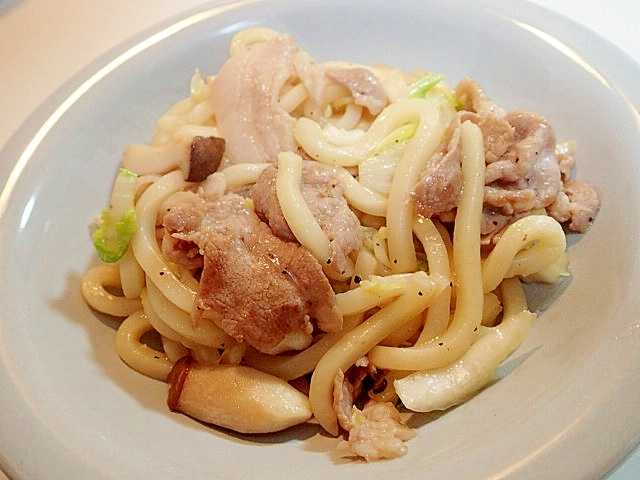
<point>206,154</point>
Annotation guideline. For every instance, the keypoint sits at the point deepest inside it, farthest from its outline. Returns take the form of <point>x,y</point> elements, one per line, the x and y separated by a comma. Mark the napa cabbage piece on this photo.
<point>117,223</point>
<point>197,87</point>
<point>445,387</point>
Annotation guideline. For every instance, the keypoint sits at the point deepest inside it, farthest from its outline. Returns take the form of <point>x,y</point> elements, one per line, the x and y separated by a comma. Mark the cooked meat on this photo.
<point>347,389</point>
<point>176,250</point>
<point>365,88</point>
<point>473,99</point>
<point>245,101</point>
<point>439,186</point>
<point>578,205</point>
<point>267,290</point>
<point>343,398</point>
<point>525,170</point>
<point>322,192</point>
<point>182,252</point>
<point>265,202</point>
<point>378,433</point>
<point>321,80</point>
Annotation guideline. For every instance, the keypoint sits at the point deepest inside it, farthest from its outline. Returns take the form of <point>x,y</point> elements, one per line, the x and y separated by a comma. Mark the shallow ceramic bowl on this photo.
<point>568,405</point>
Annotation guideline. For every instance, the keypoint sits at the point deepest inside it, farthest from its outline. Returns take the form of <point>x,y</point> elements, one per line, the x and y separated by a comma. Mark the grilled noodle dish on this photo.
<point>331,243</point>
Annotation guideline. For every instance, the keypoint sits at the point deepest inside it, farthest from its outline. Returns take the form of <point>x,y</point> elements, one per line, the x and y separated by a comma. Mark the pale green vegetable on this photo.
<point>420,88</point>
<point>433,85</point>
<point>404,132</point>
<point>197,87</point>
<point>397,136</point>
<point>117,223</point>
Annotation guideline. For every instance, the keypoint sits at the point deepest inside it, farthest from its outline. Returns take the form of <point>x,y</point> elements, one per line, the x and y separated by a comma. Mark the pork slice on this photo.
<point>245,97</point>
<point>323,193</point>
<point>265,202</point>
<point>177,250</point>
<point>473,99</point>
<point>266,290</point>
<point>312,76</point>
<point>364,86</point>
<point>438,188</point>
<point>577,205</point>
<point>525,169</point>
<point>377,434</point>
<point>527,177</point>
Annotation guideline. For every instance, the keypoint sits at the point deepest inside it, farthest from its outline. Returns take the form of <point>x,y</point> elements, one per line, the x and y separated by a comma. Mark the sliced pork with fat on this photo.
<point>523,173</point>
<point>245,97</point>
<point>266,290</point>
<point>323,193</point>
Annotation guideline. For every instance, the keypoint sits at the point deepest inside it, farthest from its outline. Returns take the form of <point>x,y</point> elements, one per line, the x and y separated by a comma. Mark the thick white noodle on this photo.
<point>361,197</point>
<point>249,36</point>
<point>296,212</point>
<point>527,246</point>
<point>135,353</point>
<point>438,315</point>
<point>313,140</point>
<point>468,275</point>
<point>94,291</point>
<point>293,98</point>
<point>145,246</point>
<point>205,333</point>
<point>418,295</point>
<point>290,367</point>
<point>131,275</point>
<point>370,293</point>
<point>400,209</point>
<point>241,174</point>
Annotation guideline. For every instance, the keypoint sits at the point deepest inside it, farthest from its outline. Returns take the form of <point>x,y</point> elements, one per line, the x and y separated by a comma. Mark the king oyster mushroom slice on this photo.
<point>236,397</point>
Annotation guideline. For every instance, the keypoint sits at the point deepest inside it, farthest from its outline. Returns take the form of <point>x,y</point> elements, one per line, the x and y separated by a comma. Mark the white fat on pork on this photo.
<point>323,193</point>
<point>265,291</point>
<point>245,97</point>
<point>327,81</point>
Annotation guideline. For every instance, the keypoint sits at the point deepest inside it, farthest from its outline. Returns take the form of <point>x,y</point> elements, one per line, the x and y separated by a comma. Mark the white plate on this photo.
<point>69,408</point>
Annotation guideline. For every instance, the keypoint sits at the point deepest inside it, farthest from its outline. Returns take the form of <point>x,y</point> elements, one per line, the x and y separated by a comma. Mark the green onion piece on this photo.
<point>420,88</point>
<point>400,134</point>
<point>118,222</point>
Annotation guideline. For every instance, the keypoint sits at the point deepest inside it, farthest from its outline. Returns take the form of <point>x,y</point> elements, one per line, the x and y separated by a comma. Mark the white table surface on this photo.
<point>39,52</point>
